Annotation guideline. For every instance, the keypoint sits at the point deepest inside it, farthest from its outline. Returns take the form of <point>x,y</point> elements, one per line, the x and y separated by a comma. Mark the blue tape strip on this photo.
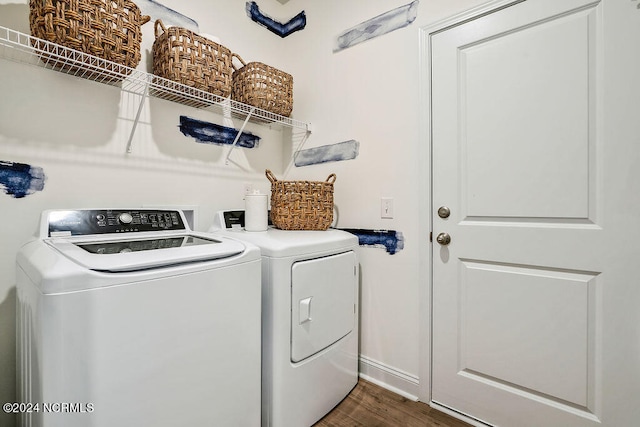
<point>392,241</point>
<point>20,180</point>
<point>168,15</point>
<point>296,23</point>
<point>211,133</point>
<point>381,24</point>
<point>346,150</point>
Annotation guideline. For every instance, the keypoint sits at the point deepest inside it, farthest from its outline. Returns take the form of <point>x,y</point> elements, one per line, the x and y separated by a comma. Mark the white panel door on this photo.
<point>536,152</point>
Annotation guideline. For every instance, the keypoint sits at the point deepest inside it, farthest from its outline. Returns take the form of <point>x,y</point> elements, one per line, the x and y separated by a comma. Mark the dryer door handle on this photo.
<point>304,313</point>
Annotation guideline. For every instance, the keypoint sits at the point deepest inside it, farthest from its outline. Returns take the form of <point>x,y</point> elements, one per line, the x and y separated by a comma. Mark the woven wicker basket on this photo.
<point>263,87</point>
<point>301,205</point>
<point>183,56</point>
<point>108,29</point>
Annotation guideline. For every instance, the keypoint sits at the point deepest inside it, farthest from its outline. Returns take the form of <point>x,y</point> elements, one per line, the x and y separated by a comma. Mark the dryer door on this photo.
<point>323,292</point>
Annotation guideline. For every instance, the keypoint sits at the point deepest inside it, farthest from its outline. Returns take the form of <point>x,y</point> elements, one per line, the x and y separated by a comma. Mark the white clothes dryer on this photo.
<point>309,319</point>
<point>129,318</point>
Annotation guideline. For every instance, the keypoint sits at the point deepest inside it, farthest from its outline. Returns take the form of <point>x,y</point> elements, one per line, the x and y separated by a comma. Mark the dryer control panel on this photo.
<point>234,219</point>
<point>104,221</point>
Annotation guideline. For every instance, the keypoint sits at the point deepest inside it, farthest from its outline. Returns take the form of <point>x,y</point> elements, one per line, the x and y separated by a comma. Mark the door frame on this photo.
<point>425,208</point>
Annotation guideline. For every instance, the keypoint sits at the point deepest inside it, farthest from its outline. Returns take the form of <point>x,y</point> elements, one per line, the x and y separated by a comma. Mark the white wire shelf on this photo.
<point>23,48</point>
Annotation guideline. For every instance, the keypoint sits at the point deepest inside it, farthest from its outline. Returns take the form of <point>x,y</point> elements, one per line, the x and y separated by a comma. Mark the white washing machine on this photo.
<point>128,318</point>
<point>309,319</point>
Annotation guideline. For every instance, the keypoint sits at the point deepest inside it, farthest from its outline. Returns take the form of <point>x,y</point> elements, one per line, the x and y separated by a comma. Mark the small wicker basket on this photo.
<point>108,29</point>
<point>301,205</point>
<point>182,56</point>
<point>263,87</point>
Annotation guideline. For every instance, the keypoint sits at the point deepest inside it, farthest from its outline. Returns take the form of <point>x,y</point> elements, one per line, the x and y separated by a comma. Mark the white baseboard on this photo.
<point>405,385</point>
<point>388,377</point>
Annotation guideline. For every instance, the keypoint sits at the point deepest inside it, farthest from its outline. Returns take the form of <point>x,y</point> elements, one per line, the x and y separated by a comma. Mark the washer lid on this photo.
<point>144,251</point>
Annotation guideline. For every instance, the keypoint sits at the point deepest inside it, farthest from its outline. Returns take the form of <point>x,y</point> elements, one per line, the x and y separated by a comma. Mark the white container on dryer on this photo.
<point>310,319</point>
<point>128,318</point>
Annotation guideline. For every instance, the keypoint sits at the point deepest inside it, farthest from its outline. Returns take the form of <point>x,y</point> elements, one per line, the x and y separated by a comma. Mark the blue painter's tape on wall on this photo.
<point>346,150</point>
<point>296,23</point>
<point>19,180</point>
<point>381,24</point>
<point>168,16</point>
<point>211,133</point>
<point>392,241</point>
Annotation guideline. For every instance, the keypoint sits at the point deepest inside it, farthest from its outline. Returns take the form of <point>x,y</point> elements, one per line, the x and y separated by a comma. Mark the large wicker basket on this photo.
<point>263,87</point>
<point>301,205</point>
<point>183,56</point>
<point>108,29</point>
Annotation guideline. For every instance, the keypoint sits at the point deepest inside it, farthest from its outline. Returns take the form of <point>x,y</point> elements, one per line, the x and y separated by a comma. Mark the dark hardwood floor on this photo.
<point>369,405</point>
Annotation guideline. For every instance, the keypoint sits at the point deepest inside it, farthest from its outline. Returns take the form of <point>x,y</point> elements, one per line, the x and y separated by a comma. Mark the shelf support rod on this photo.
<point>235,141</point>
<point>307,133</point>
<point>135,123</point>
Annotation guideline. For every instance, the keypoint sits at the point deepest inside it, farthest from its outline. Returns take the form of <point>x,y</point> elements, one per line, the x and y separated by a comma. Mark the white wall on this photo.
<point>77,132</point>
<point>369,93</point>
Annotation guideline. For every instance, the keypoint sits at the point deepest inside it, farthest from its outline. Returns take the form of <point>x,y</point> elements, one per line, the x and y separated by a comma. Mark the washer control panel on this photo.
<point>104,221</point>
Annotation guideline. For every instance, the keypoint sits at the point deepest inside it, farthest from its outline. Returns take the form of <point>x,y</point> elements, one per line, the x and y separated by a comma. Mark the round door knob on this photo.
<point>443,238</point>
<point>444,212</point>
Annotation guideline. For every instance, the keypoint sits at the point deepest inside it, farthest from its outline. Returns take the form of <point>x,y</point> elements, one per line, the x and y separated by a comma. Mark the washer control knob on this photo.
<point>125,218</point>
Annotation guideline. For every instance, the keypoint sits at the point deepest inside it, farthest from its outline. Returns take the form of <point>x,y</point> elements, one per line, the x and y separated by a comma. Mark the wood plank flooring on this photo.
<point>369,405</point>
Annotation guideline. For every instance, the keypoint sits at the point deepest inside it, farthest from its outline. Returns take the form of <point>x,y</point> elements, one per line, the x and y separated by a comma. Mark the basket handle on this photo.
<point>330,179</point>
<point>270,176</point>
<point>155,27</point>
<point>235,55</point>
<point>144,19</point>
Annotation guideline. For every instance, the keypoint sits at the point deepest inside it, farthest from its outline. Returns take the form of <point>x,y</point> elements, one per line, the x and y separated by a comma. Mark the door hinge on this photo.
<point>431,236</point>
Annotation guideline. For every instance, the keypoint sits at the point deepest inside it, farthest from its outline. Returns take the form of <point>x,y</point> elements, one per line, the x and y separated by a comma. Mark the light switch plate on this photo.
<point>386,207</point>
